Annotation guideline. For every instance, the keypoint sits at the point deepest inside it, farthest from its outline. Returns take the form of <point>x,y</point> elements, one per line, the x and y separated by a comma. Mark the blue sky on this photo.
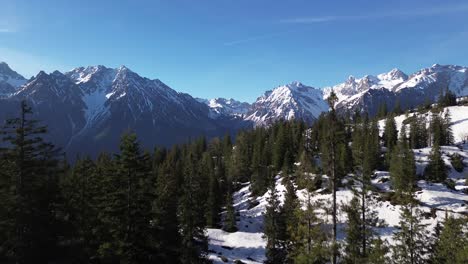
<point>239,49</point>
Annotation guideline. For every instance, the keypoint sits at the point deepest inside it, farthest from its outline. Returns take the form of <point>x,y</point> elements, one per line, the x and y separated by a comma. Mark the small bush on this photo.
<point>457,162</point>
<point>450,184</point>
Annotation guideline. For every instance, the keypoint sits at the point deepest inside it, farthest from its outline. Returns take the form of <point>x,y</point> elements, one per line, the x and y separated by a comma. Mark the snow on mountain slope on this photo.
<point>354,88</point>
<point>455,77</point>
<point>368,93</point>
<point>10,80</point>
<point>248,244</point>
<point>222,107</point>
<point>292,101</point>
<point>459,117</point>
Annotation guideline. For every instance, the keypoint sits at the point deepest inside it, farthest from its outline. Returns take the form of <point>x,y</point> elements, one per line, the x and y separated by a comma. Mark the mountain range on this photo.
<point>88,108</point>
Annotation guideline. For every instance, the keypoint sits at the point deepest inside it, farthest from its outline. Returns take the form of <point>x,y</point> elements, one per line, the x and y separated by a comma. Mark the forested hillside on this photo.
<point>347,189</point>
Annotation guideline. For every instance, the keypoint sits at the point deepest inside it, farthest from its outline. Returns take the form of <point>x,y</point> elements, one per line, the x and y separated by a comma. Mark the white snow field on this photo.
<point>435,199</point>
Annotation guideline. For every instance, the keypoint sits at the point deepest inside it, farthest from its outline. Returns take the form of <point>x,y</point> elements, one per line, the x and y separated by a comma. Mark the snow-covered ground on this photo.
<point>248,244</point>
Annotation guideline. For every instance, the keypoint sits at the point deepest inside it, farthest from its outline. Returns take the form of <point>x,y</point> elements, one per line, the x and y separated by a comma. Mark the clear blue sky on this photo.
<point>227,48</point>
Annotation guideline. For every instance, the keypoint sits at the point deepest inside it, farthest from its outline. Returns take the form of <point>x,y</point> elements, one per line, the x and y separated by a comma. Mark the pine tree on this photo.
<point>378,254</point>
<point>436,170</point>
<point>275,252</point>
<point>192,221</point>
<point>165,223</point>
<point>28,191</point>
<point>82,191</point>
<point>447,128</point>
<point>230,223</point>
<point>410,239</point>
<point>390,134</point>
<point>451,242</point>
<point>418,132</point>
<point>310,240</point>
<point>131,203</point>
<point>402,169</point>
<point>332,137</point>
<point>291,221</point>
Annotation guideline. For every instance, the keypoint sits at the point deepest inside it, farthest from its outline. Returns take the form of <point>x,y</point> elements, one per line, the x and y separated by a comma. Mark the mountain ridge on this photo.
<point>97,104</point>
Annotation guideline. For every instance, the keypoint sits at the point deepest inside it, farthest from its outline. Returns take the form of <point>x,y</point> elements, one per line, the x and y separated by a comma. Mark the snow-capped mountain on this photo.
<point>226,107</point>
<point>369,92</point>
<point>9,80</point>
<point>88,109</point>
<point>291,101</point>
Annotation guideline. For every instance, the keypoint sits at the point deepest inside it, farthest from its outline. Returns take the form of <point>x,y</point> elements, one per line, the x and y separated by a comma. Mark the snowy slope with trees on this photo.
<point>434,200</point>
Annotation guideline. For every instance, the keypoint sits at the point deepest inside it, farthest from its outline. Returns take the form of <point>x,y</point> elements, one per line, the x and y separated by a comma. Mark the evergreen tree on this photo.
<point>291,221</point>
<point>410,239</point>
<point>129,205</point>
<point>275,252</point>
<point>390,134</point>
<point>378,254</point>
<point>82,192</point>
<point>28,191</point>
<point>402,169</point>
<point>192,221</point>
<point>418,132</point>
<point>436,170</point>
<point>230,224</point>
<point>332,137</point>
<point>165,223</point>
<point>452,242</point>
<point>309,240</point>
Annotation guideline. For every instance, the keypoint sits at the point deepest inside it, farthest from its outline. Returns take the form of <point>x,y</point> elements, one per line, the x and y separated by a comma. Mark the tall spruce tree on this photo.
<point>436,170</point>
<point>390,134</point>
<point>230,223</point>
<point>290,223</point>
<point>273,221</point>
<point>131,204</point>
<point>402,168</point>
<point>28,191</point>
<point>451,245</point>
<point>310,241</point>
<point>165,223</point>
<point>192,221</point>
<point>82,192</point>
<point>332,138</point>
<point>411,238</point>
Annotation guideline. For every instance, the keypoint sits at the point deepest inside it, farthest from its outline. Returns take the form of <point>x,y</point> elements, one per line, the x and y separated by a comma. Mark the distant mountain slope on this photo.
<point>88,108</point>
<point>9,80</point>
<point>368,93</point>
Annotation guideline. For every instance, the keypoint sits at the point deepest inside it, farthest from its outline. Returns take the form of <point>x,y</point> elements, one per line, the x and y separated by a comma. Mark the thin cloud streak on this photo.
<point>253,38</point>
<point>396,14</point>
<point>6,30</point>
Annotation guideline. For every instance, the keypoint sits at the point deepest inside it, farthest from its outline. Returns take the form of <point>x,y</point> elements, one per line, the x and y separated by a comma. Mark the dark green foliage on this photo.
<point>402,168</point>
<point>191,213</point>
<point>441,129</point>
<point>457,162</point>
<point>451,245</point>
<point>29,192</point>
<point>165,224</point>
<point>230,224</point>
<point>290,219</point>
<point>273,229</point>
<point>310,241</point>
<point>435,171</point>
<point>390,134</point>
<point>447,98</point>
<point>411,240</point>
<point>418,132</point>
